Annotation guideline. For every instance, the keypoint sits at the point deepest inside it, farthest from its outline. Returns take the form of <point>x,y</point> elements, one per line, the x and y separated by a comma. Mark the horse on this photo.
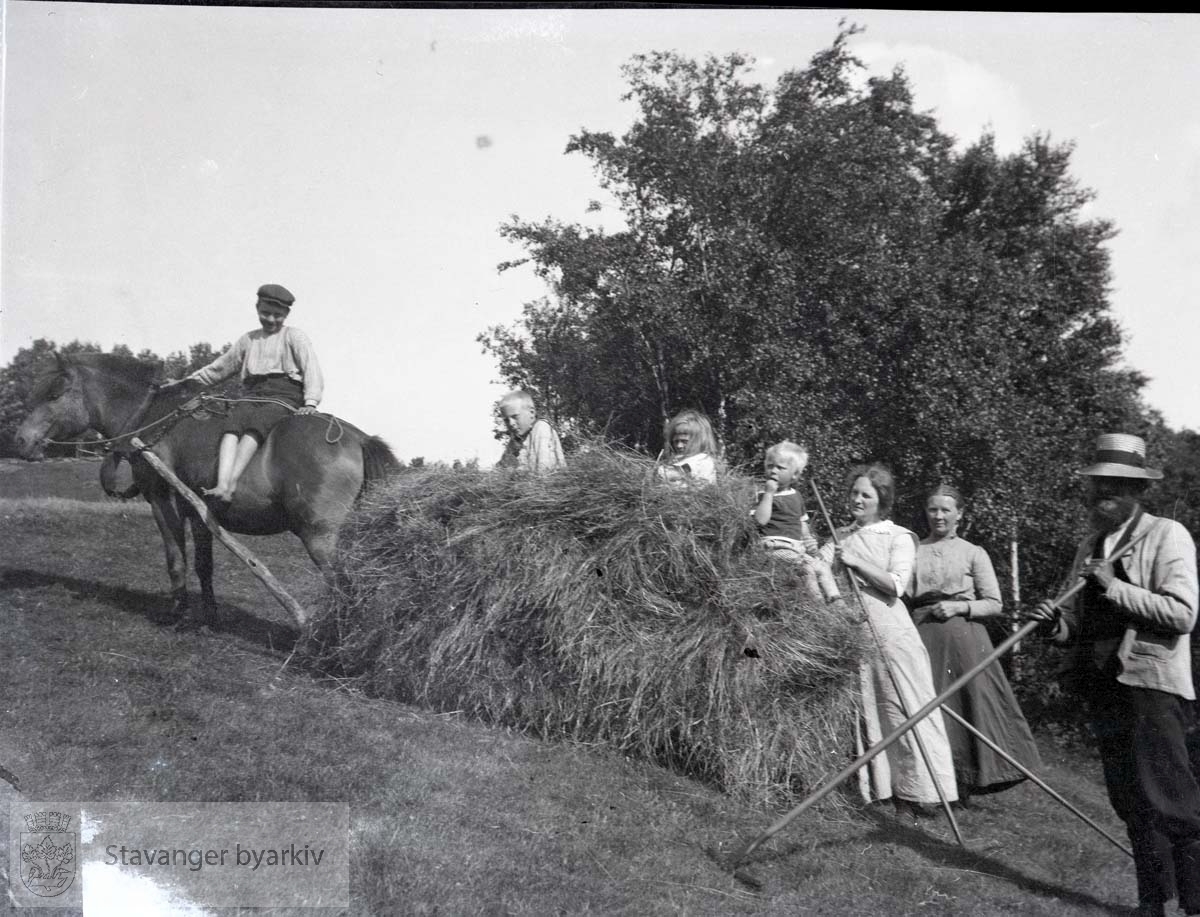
<point>304,479</point>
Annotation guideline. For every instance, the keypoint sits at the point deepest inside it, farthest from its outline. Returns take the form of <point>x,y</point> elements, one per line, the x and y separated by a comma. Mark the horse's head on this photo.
<point>104,392</point>
<point>58,411</point>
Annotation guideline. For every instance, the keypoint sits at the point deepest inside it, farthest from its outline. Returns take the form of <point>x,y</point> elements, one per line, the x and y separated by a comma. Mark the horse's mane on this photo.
<point>117,364</point>
<point>128,369</point>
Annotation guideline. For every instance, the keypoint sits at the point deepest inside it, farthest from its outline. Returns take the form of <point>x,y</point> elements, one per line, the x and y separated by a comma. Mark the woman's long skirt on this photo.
<point>987,703</point>
<point>900,771</point>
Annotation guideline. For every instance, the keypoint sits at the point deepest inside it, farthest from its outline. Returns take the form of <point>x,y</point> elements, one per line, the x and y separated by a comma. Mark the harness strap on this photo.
<point>191,407</point>
<point>188,407</point>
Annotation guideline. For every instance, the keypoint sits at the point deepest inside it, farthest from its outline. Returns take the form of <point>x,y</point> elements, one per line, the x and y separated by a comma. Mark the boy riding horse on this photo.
<point>280,375</point>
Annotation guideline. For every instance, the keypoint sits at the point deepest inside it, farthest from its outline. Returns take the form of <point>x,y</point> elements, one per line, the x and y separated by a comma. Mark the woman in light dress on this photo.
<point>895,679</point>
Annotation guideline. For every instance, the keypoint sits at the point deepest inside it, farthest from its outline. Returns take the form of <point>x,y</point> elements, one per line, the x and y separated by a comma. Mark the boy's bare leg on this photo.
<point>225,462</point>
<point>246,448</point>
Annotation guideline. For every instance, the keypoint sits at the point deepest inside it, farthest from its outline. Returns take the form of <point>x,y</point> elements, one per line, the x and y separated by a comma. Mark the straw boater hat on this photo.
<point>1119,455</point>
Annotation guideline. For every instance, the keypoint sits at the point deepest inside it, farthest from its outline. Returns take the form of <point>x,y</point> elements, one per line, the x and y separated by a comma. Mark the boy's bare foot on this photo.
<point>225,496</point>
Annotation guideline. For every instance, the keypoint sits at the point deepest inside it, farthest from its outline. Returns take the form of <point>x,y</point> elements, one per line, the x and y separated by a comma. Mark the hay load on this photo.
<point>597,605</point>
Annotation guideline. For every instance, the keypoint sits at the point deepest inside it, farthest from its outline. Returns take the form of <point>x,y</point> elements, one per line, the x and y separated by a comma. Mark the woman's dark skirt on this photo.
<point>987,703</point>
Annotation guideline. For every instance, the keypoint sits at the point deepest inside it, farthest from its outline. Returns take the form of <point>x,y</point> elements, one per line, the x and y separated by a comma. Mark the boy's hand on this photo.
<point>770,486</point>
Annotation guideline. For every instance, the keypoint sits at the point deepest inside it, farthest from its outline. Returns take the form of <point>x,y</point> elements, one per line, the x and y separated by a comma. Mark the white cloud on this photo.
<point>966,97</point>
<point>543,25</point>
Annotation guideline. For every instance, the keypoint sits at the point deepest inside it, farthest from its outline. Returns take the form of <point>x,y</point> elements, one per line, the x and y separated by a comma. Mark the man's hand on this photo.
<point>307,409</point>
<point>1047,614</point>
<point>1101,571</point>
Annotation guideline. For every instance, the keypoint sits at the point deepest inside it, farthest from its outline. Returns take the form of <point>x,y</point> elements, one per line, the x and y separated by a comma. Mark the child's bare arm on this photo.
<point>762,512</point>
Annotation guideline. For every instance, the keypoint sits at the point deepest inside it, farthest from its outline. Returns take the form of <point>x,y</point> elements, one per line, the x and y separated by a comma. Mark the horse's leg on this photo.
<point>202,545</point>
<point>321,543</point>
<point>170,526</point>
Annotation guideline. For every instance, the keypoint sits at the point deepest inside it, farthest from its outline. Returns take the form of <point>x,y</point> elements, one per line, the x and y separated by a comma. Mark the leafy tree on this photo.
<point>817,261</point>
<point>178,364</point>
<point>1178,495</point>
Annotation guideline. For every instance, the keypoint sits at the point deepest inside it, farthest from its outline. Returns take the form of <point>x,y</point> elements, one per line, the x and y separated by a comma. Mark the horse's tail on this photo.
<point>379,462</point>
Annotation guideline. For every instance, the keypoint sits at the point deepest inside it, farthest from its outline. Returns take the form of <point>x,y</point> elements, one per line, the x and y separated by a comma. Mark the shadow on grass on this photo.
<point>156,607</point>
<point>944,852</point>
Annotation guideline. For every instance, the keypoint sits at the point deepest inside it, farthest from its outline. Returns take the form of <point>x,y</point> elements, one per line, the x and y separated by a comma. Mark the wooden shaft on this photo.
<point>256,566</point>
<point>883,744</point>
<point>1036,779</point>
<point>887,665</point>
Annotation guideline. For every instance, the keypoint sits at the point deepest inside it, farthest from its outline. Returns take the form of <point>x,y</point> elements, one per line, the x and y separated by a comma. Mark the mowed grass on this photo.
<point>71,479</point>
<point>104,699</point>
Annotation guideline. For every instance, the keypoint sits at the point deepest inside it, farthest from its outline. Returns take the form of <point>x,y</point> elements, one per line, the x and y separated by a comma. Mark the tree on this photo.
<point>816,261</point>
<point>1178,496</point>
<point>199,355</point>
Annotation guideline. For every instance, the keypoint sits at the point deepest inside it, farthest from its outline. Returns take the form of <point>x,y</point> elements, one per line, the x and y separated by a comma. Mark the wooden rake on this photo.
<point>891,738</point>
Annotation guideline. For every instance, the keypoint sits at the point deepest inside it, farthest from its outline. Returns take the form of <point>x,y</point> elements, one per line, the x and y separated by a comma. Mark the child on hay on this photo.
<point>689,450</point>
<point>533,444</point>
<point>279,370</point>
<point>783,520</point>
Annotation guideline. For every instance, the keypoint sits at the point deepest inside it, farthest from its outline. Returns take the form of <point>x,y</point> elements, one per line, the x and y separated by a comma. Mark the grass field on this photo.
<point>104,699</point>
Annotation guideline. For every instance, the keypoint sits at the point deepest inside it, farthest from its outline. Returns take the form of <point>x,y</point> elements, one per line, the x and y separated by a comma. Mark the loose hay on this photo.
<point>597,605</point>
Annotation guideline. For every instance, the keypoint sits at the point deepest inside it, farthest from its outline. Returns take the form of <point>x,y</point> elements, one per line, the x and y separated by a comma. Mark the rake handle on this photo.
<point>1038,781</point>
<point>1016,637</point>
<point>257,567</point>
<point>891,673</point>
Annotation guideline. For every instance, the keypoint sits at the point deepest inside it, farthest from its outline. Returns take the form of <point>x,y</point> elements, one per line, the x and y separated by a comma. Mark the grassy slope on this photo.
<point>103,700</point>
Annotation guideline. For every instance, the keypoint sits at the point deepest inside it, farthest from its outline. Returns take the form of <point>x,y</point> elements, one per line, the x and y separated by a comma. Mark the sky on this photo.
<point>160,163</point>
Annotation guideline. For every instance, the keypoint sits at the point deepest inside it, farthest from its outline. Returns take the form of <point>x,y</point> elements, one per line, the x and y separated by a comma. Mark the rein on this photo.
<point>188,407</point>
<point>191,407</point>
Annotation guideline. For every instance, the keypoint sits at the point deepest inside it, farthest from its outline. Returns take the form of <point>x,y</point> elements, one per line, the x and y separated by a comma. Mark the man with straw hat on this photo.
<point>1128,633</point>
